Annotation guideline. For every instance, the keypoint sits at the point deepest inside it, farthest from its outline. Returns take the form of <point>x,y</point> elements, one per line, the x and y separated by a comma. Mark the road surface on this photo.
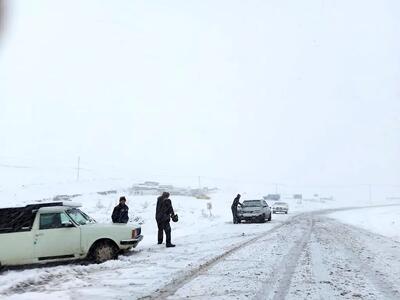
<point>309,257</point>
<point>306,256</point>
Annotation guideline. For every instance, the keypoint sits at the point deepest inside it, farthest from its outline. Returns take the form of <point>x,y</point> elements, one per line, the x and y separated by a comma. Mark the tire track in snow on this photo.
<point>52,277</point>
<point>171,288</point>
<point>275,241</point>
<point>334,268</point>
<point>347,238</point>
<point>336,275</point>
<point>279,283</point>
<point>291,260</point>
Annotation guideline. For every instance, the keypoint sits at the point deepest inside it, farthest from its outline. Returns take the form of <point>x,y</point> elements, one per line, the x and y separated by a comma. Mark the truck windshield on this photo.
<point>79,217</point>
<point>252,203</point>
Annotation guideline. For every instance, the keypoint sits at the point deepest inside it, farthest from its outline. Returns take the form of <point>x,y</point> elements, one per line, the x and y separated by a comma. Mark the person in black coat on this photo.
<point>160,199</point>
<point>234,208</point>
<point>164,210</point>
<point>120,212</point>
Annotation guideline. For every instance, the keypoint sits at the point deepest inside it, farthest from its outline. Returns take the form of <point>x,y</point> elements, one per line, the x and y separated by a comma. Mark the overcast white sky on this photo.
<point>301,92</point>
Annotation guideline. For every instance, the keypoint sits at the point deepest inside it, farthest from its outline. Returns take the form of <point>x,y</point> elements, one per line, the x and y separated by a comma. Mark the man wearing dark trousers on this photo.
<point>234,208</point>
<point>164,210</point>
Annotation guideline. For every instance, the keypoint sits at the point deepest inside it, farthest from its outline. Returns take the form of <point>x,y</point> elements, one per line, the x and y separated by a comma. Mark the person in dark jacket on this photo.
<point>234,208</point>
<point>164,211</point>
<point>159,217</point>
<point>160,199</point>
<point>120,212</point>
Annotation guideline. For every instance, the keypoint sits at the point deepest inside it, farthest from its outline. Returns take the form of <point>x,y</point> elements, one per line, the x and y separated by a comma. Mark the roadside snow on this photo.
<point>200,236</point>
<point>380,220</point>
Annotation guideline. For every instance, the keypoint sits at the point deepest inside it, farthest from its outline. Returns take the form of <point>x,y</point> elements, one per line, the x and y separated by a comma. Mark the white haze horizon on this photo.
<point>279,93</point>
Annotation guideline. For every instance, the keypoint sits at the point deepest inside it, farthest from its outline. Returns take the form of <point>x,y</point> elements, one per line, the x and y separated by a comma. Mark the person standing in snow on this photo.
<point>120,212</point>
<point>160,199</point>
<point>234,208</point>
<point>164,211</point>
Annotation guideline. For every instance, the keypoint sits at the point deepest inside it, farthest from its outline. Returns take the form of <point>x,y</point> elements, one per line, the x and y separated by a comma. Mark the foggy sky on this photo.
<point>305,92</point>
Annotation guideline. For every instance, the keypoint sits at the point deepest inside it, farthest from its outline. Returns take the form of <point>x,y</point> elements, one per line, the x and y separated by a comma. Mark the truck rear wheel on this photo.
<point>104,251</point>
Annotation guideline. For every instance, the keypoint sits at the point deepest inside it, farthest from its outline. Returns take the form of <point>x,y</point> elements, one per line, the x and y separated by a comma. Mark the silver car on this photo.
<point>281,207</point>
<point>254,210</point>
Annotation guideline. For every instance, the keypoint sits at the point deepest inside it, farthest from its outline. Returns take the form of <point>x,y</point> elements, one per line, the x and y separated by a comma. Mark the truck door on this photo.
<point>16,248</point>
<point>56,238</point>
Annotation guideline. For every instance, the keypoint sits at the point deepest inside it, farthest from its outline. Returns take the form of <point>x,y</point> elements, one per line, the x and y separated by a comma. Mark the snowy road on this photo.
<point>307,256</point>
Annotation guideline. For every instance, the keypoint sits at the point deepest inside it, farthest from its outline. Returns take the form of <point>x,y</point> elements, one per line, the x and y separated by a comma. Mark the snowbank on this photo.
<point>380,220</point>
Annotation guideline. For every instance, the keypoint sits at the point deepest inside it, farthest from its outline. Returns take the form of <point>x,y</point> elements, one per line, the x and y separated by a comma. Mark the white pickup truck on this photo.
<point>57,231</point>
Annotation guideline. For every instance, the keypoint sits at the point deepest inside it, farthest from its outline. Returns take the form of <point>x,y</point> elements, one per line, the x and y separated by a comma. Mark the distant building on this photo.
<point>151,183</point>
<point>166,187</point>
<point>155,188</point>
<point>274,197</point>
<point>180,191</point>
<point>142,190</point>
<point>326,198</point>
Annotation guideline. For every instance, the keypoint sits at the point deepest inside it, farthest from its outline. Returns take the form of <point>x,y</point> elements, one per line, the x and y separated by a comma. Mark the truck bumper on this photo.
<point>132,242</point>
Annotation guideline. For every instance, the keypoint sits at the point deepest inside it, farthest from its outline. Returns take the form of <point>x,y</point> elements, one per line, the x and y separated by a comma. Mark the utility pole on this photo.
<point>78,168</point>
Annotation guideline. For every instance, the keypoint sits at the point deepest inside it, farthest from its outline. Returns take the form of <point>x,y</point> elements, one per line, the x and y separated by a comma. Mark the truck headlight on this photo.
<point>136,232</point>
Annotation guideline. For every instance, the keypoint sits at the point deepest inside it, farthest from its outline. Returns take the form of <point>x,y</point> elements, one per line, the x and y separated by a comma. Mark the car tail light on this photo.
<point>134,234</point>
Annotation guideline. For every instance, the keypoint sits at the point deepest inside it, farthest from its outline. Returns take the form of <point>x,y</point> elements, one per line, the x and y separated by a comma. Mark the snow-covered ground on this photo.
<point>309,257</point>
<point>380,220</point>
<point>200,235</point>
<point>203,238</point>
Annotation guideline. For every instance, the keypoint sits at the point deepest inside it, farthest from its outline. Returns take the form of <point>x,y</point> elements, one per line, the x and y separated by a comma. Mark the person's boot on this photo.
<point>159,242</point>
<point>170,245</point>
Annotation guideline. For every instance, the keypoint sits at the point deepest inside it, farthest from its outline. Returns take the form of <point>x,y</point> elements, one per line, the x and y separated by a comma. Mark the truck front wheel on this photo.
<point>104,251</point>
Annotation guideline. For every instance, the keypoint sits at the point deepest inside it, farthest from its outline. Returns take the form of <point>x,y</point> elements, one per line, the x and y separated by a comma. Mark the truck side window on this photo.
<point>54,220</point>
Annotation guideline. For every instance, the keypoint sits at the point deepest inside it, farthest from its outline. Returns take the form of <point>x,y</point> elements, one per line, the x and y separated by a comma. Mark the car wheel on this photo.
<point>104,251</point>
<point>262,218</point>
<point>270,217</point>
<point>239,220</point>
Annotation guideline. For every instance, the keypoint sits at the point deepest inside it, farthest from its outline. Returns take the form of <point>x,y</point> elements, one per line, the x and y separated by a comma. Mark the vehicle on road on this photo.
<point>280,207</point>
<point>254,210</point>
<point>60,231</point>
